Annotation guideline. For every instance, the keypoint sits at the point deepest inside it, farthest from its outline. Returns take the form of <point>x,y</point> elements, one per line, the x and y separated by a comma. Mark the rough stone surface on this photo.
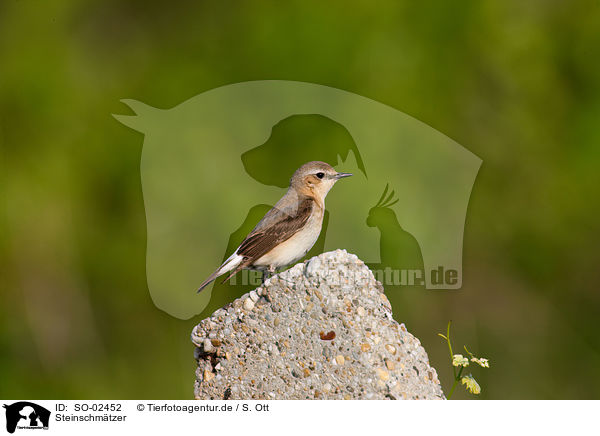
<point>320,330</point>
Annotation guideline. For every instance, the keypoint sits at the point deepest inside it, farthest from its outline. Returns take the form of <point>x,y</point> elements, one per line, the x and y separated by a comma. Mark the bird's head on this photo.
<point>382,212</point>
<point>315,179</point>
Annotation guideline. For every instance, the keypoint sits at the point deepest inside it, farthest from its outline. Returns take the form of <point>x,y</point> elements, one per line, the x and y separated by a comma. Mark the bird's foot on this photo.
<point>267,273</point>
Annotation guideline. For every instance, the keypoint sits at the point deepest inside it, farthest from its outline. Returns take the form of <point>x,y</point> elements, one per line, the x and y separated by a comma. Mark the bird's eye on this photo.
<point>320,175</point>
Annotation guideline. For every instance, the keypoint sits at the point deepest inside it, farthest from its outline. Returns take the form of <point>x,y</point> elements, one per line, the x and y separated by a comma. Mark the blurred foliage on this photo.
<point>517,83</point>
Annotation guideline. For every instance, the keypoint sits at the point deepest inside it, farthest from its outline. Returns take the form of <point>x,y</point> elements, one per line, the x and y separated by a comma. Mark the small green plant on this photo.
<point>459,363</point>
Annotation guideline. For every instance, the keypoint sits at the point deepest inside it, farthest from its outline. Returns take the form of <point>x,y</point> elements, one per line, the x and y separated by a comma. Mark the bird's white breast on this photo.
<point>296,247</point>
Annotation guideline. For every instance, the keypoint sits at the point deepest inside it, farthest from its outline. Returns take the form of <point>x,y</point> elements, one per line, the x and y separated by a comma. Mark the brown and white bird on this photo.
<point>289,230</point>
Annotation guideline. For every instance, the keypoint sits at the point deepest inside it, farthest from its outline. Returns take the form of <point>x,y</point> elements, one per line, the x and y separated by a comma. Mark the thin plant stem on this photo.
<point>450,347</point>
<point>452,389</point>
<point>456,380</point>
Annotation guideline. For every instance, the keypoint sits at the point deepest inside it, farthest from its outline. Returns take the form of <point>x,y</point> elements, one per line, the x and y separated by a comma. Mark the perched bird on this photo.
<point>289,230</point>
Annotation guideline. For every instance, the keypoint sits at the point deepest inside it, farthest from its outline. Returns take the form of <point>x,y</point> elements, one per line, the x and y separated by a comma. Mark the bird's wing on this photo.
<point>278,225</point>
<point>282,226</point>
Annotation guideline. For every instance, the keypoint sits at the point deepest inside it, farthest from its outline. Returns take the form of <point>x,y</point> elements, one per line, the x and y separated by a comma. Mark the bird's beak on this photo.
<point>342,175</point>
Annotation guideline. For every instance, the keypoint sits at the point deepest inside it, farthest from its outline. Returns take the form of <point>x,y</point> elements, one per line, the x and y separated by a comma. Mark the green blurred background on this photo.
<point>517,83</point>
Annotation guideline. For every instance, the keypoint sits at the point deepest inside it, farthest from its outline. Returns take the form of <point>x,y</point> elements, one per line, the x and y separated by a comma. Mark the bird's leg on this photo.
<point>267,273</point>
<point>272,270</point>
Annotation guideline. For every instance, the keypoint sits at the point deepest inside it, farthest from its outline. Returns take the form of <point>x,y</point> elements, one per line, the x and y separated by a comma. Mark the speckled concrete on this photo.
<point>320,330</point>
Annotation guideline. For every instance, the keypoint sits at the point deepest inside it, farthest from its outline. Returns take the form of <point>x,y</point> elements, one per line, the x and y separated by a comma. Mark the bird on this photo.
<point>289,229</point>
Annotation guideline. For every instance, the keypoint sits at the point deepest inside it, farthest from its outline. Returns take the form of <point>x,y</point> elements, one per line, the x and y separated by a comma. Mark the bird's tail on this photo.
<point>232,262</point>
